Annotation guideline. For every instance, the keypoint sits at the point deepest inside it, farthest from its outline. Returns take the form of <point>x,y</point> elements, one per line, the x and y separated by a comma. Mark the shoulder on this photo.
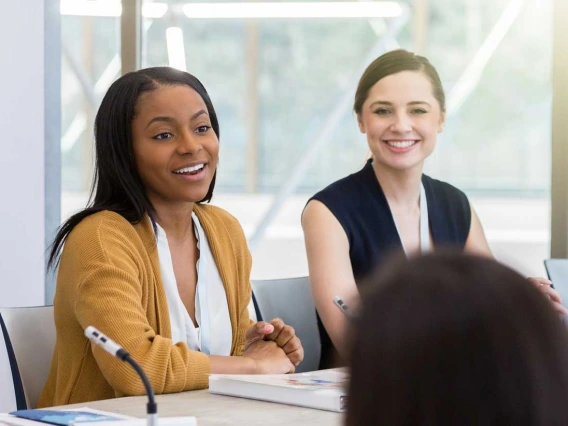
<point>335,207</point>
<point>317,215</point>
<point>444,191</point>
<point>100,235</point>
<point>344,195</point>
<point>101,242</point>
<point>101,224</point>
<point>338,189</point>
<point>105,219</point>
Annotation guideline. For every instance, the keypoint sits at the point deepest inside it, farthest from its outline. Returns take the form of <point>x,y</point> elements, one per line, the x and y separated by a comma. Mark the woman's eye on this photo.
<point>419,111</point>
<point>382,111</point>
<point>202,129</point>
<point>162,136</point>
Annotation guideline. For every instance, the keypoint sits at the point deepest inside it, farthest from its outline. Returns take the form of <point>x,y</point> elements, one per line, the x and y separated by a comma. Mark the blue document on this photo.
<point>63,418</point>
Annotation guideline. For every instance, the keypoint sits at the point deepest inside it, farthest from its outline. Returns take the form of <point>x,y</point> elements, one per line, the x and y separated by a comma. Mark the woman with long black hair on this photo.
<point>148,263</point>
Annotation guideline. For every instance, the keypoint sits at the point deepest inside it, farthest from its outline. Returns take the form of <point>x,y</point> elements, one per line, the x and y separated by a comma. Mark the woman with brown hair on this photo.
<point>450,339</point>
<point>389,205</point>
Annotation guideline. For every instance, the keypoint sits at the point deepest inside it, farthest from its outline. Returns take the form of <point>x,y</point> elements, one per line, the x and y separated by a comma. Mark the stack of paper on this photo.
<point>324,389</point>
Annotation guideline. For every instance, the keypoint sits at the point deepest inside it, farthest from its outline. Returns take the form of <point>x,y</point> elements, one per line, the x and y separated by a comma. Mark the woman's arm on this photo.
<point>476,243</point>
<point>111,298</point>
<point>330,269</point>
<point>104,283</point>
<point>170,368</point>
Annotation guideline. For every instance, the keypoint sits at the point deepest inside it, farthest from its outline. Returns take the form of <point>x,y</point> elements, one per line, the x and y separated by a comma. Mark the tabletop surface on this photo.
<point>216,410</point>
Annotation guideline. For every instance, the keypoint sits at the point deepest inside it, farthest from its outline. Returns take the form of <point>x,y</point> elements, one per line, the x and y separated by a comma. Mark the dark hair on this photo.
<point>117,186</point>
<point>450,339</point>
<point>394,62</point>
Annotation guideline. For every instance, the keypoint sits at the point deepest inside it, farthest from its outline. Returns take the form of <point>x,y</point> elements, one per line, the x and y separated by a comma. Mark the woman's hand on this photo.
<point>544,285</point>
<point>268,357</point>
<point>283,335</point>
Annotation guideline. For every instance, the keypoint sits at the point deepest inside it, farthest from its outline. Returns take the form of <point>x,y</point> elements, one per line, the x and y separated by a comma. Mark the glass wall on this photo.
<point>283,87</point>
<point>90,62</point>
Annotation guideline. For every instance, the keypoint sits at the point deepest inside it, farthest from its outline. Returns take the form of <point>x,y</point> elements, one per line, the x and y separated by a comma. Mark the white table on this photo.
<point>213,410</point>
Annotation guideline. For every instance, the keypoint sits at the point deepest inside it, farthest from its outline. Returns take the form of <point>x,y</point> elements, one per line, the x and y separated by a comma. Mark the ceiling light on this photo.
<point>384,9</point>
<point>108,8</point>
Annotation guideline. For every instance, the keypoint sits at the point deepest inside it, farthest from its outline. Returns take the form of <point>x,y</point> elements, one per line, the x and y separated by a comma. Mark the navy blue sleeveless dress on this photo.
<point>360,206</point>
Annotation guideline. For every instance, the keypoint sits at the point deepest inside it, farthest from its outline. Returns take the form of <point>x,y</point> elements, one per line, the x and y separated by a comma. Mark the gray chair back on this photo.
<point>32,335</point>
<point>11,391</point>
<point>557,270</point>
<point>291,299</point>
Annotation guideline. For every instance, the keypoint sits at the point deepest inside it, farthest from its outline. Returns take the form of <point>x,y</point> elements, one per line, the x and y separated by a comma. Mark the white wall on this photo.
<point>22,232</point>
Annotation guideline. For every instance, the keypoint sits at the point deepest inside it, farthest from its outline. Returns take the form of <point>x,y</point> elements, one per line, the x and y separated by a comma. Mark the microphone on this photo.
<point>117,351</point>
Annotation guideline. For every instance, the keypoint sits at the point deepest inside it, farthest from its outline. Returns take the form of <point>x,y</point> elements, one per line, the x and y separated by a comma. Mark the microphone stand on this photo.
<point>117,351</point>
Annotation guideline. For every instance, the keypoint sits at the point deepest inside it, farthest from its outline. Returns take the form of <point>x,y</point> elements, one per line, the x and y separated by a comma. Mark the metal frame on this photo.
<point>52,131</point>
<point>131,35</point>
<point>252,104</point>
<point>559,186</point>
<point>420,21</point>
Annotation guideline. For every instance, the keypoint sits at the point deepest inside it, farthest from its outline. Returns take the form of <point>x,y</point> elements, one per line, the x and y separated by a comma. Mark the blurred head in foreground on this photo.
<point>449,339</point>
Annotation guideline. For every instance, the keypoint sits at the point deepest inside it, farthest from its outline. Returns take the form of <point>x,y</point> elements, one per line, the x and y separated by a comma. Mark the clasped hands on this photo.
<point>274,346</point>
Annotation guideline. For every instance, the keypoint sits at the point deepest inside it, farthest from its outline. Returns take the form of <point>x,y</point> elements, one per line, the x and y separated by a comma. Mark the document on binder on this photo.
<point>323,389</point>
<point>59,417</point>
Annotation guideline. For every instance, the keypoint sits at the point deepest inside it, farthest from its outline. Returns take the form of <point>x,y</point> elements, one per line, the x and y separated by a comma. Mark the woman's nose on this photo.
<point>401,123</point>
<point>189,144</point>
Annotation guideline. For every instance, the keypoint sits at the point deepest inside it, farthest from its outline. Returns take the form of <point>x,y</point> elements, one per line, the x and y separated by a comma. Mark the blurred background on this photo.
<point>283,87</point>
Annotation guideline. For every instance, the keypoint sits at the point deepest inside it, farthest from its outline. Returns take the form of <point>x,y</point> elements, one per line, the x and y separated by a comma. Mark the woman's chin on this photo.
<point>197,197</point>
<point>402,165</point>
<point>190,197</point>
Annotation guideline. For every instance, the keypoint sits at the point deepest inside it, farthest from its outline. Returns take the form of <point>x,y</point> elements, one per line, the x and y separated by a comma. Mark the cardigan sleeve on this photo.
<point>111,296</point>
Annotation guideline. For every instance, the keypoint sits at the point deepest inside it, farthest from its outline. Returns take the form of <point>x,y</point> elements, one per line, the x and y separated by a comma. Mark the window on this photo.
<point>283,92</point>
<point>90,37</point>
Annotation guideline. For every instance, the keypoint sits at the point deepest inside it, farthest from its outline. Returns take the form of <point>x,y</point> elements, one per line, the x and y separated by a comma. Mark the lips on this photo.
<point>190,169</point>
<point>401,144</point>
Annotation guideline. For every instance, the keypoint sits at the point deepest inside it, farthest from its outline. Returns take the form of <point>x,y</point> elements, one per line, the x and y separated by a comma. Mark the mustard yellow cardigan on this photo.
<point>109,277</point>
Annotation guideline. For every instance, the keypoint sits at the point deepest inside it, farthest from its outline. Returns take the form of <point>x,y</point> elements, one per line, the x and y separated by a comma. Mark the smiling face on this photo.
<point>401,118</point>
<point>175,149</point>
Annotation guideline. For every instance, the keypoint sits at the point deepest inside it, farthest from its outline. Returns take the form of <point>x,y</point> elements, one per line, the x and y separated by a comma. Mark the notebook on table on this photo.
<point>323,389</point>
<point>81,416</point>
<point>70,417</point>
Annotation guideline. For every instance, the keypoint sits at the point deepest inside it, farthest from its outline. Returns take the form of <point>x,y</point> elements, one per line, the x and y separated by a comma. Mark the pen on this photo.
<point>343,308</point>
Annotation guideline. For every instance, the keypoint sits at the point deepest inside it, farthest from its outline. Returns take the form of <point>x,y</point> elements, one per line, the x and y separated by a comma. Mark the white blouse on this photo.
<point>214,334</point>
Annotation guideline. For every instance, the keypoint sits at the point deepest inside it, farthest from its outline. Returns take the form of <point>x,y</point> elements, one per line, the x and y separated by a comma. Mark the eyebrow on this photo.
<point>171,120</point>
<point>390,103</point>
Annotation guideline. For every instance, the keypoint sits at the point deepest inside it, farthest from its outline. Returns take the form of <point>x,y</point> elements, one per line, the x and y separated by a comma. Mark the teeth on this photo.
<point>401,144</point>
<point>190,169</point>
